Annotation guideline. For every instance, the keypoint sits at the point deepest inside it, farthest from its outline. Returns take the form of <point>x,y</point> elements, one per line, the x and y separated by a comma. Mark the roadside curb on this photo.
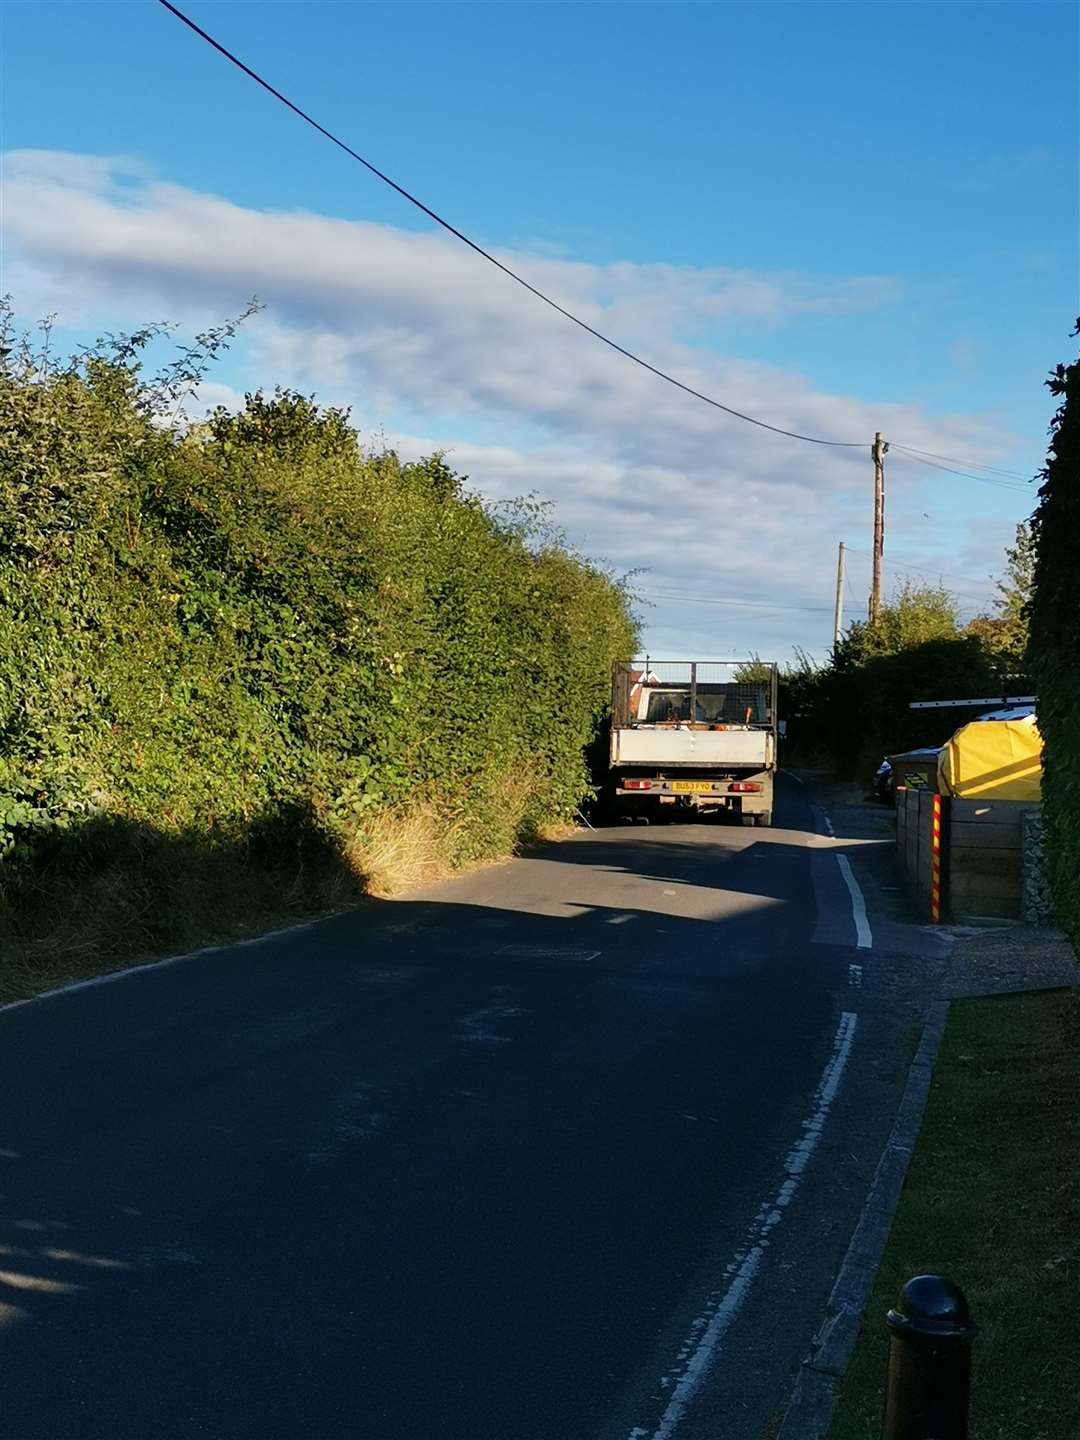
<point>810,1409</point>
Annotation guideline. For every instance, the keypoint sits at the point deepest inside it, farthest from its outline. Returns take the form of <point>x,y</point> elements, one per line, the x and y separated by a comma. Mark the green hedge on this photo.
<point>1055,646</point>
<point>204,630</point>
<point>859,708</point>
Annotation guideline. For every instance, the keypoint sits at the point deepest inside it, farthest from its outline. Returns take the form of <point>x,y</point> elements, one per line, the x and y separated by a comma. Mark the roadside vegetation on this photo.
<point>847,714</point>
<point>1055,644</point>
<point>991,1196</point>
<point>250,670</point>
<point>991,1201</point>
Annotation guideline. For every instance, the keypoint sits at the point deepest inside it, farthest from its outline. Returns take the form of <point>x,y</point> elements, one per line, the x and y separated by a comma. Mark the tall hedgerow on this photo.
<point>858,708</point>
<point>207,631</point>
<point>1054,645</point>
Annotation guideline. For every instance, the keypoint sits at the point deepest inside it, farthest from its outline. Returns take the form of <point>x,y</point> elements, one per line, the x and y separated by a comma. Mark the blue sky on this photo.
<point>848,217</point>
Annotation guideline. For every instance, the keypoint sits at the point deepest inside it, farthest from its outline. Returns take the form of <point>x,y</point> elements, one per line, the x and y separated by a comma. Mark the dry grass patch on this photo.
<point>400,850</point>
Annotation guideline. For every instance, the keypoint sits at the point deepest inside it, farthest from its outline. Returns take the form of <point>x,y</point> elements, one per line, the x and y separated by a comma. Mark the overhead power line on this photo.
<point>487,255</point>
<point>909,454</point>
<point>923,570</point>
<point>1007,478</point>
<point>968,464</point>
<point>735,604</point>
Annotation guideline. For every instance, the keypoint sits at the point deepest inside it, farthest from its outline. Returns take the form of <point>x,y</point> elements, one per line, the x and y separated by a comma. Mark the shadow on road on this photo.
<point>442,1166</point>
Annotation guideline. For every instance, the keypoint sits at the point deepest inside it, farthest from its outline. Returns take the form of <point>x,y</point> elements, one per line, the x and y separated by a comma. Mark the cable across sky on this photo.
<point>1004,478</point>
<point>905,452</point>
<point>487,255</point>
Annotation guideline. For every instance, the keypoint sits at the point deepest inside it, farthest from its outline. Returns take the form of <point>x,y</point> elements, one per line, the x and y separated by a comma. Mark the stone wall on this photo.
<point>1037,905</point>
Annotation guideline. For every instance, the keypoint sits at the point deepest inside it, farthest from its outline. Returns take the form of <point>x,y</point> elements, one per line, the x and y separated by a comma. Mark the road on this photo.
<point>566,1149</point>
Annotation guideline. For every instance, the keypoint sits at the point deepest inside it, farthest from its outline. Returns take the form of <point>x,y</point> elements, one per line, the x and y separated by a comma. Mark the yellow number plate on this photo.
<point>693,785</point>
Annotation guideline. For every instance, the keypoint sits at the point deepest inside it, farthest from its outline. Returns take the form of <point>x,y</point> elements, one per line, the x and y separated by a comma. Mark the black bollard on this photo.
<point>926,1397</point>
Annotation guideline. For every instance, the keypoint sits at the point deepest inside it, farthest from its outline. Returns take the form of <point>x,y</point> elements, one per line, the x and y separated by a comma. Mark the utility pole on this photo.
<point>878,451</point>
<point>839,618</point>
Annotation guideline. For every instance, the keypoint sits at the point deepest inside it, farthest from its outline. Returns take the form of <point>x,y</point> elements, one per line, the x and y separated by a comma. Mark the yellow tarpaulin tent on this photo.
<point>993,760</point>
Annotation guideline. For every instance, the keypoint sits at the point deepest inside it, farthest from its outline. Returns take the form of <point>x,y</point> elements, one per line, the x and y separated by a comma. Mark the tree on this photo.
<point>754,671</point>
<point>1005,632</point>
<point>1054,647</point>
<point>916,615</point>
<point>858,708</point>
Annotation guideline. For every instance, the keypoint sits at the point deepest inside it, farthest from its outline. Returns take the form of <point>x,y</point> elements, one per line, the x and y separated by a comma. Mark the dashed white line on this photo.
<point>863,938</point>
<point>854,975</point>
<point>621,919</point>
<point>702,1345</point>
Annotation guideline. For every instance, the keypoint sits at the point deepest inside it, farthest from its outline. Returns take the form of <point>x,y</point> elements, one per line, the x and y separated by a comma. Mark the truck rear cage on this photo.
<point>712,694</point>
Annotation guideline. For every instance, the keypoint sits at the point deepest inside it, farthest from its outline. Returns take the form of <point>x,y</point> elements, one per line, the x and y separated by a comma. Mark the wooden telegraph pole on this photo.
<point>838,620</point>
<point>878,451</point>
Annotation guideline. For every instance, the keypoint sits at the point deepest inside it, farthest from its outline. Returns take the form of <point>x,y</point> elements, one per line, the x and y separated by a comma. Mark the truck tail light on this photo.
<point>637,784</point>
<point>744,787</point>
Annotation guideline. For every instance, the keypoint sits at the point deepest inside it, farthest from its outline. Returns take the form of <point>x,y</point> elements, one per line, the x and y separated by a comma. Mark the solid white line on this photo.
<point>863,938</point>
<point>703,1342</point>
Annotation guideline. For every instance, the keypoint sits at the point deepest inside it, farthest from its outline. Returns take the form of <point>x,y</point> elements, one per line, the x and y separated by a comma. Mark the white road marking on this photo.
<point>797,778</point>
<point>702,1345</point>
<point>854,975</point>
<point>621,919</point>
<point>829,826</point>
<point>863,938</point>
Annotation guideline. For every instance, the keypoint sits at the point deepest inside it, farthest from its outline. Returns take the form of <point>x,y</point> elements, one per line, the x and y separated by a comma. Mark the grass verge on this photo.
<point>117,892</point>
<point>992,1201</point>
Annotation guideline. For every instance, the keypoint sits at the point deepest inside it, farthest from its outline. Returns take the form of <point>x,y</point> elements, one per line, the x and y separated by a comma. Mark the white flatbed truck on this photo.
<point>698,735</point>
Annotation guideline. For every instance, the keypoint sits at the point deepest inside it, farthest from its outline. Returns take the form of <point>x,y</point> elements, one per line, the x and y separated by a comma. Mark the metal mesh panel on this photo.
<point>622,684</point>
<point>716,692</point>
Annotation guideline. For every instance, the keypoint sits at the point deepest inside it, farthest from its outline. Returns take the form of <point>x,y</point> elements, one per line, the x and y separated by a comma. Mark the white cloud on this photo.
<point>414,330</point>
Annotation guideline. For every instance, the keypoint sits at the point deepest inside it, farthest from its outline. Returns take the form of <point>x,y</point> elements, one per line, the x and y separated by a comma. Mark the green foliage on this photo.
<point>1054,653</point>
<point>1005,633</point>
<point>916,615</point>
<point>251,618</point>
<point>857,708</point>
<point>754,671</point>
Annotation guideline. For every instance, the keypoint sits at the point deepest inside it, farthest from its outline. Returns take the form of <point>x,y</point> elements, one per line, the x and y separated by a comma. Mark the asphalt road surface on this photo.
<point>567,1149</point>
